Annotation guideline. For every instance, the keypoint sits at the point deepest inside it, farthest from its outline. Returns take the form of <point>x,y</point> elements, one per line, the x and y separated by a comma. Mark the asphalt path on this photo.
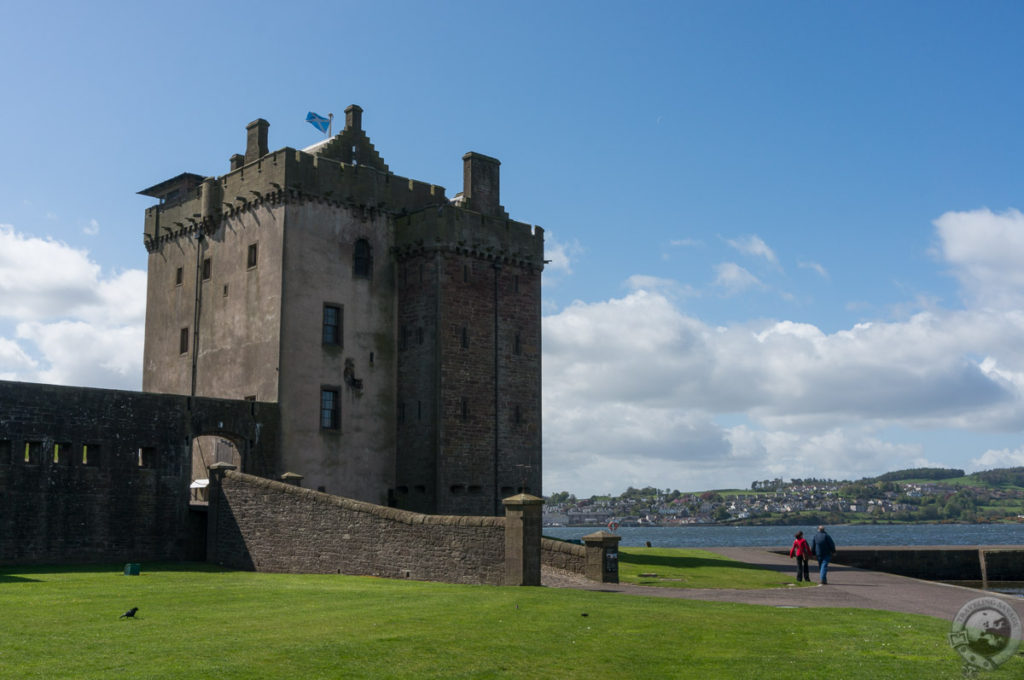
<point>847,587</point>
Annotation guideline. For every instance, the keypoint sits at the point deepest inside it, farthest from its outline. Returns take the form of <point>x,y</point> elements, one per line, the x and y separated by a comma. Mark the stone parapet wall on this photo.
<point>265,525</point>
<point>936,563</point>
<point>562,555</point>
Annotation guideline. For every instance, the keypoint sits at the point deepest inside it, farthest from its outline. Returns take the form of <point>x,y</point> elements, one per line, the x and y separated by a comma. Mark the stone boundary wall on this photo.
<point>99,475</point>
<point>936,563</point>
<point>562,555</point>
<point>264,525</point>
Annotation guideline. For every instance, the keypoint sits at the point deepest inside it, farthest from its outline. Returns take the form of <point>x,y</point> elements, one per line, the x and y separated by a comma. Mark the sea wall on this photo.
<point>937,563</point>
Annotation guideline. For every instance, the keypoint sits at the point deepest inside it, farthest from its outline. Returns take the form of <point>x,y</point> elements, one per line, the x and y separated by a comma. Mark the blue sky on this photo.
<point>784,236</point>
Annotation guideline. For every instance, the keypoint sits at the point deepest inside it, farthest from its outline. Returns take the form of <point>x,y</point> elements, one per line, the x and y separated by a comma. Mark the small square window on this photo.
<point>183,341</point>
<point>147,457</point>
<point>91,455</point>
<point>62,453</point>
<point>179,276</point>
<point>207,269</point>
<point>33,453</point>
<point>330,409</point>
<point>252,257</point>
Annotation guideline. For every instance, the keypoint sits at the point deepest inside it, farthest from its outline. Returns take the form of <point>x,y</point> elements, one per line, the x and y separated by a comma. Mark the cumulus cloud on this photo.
<point>92,228</point>
<point>985,251</point>
<point>72,323</point>
<point>999,459</point>
<point>633,385</point>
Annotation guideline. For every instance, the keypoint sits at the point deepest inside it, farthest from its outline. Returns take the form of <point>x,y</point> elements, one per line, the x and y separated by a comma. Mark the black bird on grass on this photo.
<point>130,614</point>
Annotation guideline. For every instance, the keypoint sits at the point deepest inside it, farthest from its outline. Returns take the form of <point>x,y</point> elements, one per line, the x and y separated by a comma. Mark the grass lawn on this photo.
<point>196,621</point>
<point>686,568</point>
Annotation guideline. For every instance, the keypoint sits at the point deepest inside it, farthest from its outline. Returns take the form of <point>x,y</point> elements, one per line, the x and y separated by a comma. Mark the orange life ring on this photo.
<point>613,525</point>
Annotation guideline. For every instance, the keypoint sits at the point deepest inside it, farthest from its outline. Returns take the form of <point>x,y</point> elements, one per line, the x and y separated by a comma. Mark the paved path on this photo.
<point>847,587</point>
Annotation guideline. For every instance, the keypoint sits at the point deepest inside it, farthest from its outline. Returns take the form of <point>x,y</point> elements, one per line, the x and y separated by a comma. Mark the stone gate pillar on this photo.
<point>602,557</point>
<point>522,540</point>
<point>213,509</point>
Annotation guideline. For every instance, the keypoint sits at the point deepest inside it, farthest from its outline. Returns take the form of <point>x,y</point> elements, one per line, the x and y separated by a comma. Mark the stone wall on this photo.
<point>94,475</point>
<point>265,525</point>
<point>562,555</point>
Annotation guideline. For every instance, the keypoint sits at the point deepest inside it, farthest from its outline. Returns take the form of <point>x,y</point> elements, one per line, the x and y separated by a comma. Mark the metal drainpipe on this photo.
<point>497,489</point>
<point>200,240</point>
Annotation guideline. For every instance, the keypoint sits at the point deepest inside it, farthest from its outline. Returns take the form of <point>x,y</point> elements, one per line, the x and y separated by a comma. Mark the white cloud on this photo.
<point>92,228</point>
<point>635,388</point>
<point>814,266</point>
<point>686,243</point>
<point>753,245</point>
<point>985,250</point>
<point>74,324</point>
<point>734,279</point>
<point>998,459</point>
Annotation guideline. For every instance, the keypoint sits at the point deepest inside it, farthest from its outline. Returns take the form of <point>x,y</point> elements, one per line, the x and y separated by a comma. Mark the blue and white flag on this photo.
<point>318,121</point>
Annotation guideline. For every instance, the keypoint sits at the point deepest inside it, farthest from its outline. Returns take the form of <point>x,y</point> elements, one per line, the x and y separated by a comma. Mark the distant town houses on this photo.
<point>774,500</point>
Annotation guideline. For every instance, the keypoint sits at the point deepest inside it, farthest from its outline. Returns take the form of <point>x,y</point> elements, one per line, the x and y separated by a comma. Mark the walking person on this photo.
<point>824,548</point>
<point>802,552</point>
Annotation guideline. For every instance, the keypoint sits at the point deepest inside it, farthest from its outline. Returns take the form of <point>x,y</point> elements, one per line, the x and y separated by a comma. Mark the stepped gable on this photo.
<point>351,145</point>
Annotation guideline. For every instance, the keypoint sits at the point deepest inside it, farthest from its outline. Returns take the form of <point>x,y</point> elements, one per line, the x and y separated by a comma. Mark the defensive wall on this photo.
<point>96,475</point>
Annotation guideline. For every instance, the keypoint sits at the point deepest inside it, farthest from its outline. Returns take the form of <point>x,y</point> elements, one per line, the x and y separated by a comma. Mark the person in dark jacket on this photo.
<point>802,552</point>
<point>823,547</point>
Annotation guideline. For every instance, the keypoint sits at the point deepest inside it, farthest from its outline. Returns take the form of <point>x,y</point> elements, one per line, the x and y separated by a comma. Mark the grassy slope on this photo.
<point>690,568</point>
<point>198,622</point>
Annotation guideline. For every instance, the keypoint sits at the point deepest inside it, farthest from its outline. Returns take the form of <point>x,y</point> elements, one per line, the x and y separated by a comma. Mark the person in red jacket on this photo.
<point>802,551</point>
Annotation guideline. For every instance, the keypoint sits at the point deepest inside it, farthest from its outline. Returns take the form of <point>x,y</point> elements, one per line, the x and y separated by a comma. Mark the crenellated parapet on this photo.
<point>465,232</point>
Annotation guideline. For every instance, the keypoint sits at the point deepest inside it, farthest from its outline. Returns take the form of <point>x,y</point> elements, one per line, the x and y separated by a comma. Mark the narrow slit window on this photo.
<point>207,269</point>
<point>179,276</point>
<point>90,455</point>
<point>252,257</point>
<point>362,259</point>
<point>332,324</point>
<point>147,457</point>
<point>183,341</point>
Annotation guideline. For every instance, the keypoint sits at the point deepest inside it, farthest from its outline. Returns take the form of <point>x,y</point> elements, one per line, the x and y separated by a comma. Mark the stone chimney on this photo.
<point>256,140</point>
<point>353,118</point>
<point>480,185</point>
<point>237,161</point>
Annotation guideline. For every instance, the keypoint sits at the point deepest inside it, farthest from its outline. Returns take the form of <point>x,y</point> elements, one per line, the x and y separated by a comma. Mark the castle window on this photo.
<point>465,408</point>
<point>330,409</point>
<point>465,337</point>
<point>147,457</point>
<point>515,283</point>
<point>225,290</point>
<point>517,416</point>
<point>252,256</point>
<point>179,276</point>
<point>5,451</point>
<point>90,455</point>
<point>207,269</point>
<point>183,341</point>
<point>33,452</point>
<point>457,489</point>
<point>465,273</point>
<point>332,325</point>
<point>419,410</point>
<point>475,489</point>
<point>362,259</point>
<point>62,453</point>
<point>517,347</point>
<point>421,273</point>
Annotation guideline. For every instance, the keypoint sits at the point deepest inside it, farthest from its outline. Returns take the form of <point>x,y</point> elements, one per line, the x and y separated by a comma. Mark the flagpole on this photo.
<point>330,121</point>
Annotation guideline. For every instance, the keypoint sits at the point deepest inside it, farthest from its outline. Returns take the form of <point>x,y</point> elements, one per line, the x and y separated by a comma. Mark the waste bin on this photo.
<point>132,569</point>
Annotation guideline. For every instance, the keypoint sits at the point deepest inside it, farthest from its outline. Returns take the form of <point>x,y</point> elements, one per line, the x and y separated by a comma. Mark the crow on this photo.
<point>130,614</point>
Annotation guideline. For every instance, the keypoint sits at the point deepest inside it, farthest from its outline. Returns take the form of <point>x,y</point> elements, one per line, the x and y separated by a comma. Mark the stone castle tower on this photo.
<point>397,329</point>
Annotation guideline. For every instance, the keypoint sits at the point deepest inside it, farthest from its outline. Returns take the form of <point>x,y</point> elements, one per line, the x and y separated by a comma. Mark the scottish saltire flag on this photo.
<point>317,121</point>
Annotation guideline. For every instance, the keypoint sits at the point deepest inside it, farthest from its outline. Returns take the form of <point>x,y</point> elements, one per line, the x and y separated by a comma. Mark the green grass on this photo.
<point>195,621</point>
<point>686,568</point>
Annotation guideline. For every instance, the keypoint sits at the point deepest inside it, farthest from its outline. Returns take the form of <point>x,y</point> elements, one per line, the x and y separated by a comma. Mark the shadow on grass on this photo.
<point>684,562</point>
<point>12,574</point>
